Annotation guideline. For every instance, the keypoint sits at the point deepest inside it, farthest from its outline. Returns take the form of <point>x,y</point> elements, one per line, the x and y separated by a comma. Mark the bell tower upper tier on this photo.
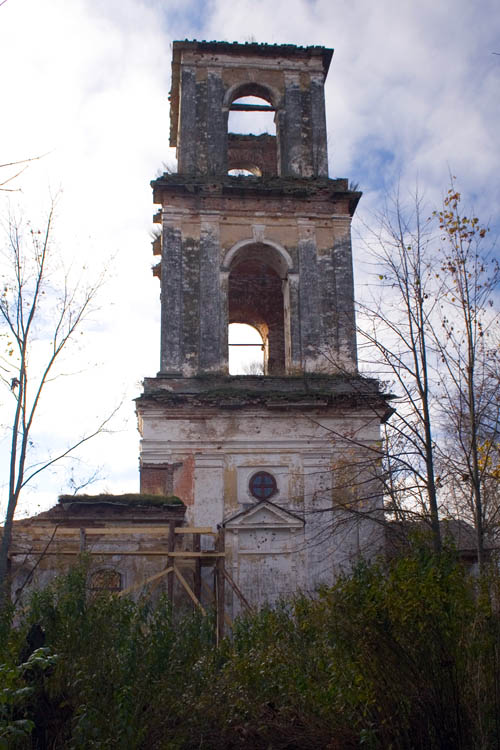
<point>208,78</point>
<point>252,228</point>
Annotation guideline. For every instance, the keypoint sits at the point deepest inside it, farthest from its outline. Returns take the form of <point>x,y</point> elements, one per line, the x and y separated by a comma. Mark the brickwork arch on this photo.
<point>251,88</point>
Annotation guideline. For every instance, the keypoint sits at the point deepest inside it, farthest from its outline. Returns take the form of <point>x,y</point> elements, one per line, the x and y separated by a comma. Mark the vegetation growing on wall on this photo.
<point>129,499</point>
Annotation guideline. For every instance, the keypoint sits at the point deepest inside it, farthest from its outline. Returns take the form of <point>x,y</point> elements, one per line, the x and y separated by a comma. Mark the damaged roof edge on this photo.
<point>129,500</point>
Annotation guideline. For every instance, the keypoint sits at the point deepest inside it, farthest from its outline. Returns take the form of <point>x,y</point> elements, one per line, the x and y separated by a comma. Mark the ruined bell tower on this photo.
<point>254,231</point>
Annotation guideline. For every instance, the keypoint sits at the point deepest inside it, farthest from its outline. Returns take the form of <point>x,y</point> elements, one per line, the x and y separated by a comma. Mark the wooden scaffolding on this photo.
<point>184,548</point>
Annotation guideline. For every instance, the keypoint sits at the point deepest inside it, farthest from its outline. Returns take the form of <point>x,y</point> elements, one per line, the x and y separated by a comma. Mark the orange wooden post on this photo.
<point>171,561</point>
<point>197,567</point>
<point>219,584</point>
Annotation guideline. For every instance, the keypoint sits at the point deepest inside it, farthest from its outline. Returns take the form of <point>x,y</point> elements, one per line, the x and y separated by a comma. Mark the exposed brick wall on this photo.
<point>253,151</point>
<point>154,479</point>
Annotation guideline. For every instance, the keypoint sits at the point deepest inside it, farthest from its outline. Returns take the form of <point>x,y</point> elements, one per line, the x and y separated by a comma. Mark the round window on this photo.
<point>262,485</point>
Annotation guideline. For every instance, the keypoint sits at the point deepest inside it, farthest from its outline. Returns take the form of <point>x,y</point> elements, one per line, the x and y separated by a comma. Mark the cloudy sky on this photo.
<point>412,94</point>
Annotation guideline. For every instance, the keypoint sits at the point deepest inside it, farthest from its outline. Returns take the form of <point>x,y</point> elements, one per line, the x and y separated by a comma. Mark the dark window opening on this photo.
<point>255,297</point>
<point>262,485</point>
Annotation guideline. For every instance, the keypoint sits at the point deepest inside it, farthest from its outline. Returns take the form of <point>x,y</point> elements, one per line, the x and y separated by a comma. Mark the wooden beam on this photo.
<point>208,591</point>
<point>171,547</point>
<point>189,590</point>
<point>137,553</point>
<point>210,594</point>
<point>219,584</point>
<point>109,530</point>
<point>238,591</point>
<point>180,553</point>
<point>251,108</point>
<point>197,563</point>
<point>195,530</point>
<point>140,585</point>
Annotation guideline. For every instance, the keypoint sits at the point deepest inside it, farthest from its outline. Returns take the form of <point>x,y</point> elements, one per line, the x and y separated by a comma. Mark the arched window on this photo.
<point>254,172</point>
<point>256,293</point>
<point>105,579</point>
<point>246,350</point>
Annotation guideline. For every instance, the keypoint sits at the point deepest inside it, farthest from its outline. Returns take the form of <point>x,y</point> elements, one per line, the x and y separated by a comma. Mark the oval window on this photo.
<point>262,485</point>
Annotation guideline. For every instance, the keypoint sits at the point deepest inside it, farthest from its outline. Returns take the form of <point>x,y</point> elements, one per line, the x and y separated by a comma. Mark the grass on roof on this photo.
<point>130,499</point>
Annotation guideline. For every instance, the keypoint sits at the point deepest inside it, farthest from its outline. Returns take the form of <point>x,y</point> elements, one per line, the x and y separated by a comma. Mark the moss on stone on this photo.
<point>129,499</point>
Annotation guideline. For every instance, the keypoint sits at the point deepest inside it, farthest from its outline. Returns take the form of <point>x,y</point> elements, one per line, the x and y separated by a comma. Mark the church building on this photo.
<point>253,231</point>
<point>252,486</point>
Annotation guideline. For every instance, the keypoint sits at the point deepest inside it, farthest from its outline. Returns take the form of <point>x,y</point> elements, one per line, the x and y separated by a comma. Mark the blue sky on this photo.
<point>412,94</point>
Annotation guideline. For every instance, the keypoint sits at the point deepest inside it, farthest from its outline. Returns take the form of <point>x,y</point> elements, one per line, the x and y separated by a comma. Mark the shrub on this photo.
<point>401,655</point>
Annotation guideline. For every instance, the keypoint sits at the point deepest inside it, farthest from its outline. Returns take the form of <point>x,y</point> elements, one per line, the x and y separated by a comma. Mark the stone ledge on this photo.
<point>274,393</point>
<point>321,188</point>
<point>319,383</point>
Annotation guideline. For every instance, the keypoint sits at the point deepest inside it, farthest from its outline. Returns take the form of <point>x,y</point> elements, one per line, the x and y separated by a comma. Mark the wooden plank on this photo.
<point>109,530</point>
<point>129,553</point>
<point>140,585</point>
<point>197,563</point>
<point>236,588</point>
<point>195,530</point>
<point>171,547</point>
<point>187,554</point>
<point>210,594</point>
<point>219,585</point>
<point>189,590</point>
<point>208,591</point>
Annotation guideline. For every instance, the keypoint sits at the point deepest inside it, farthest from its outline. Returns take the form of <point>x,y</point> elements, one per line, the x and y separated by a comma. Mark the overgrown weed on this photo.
<point>397,655</point>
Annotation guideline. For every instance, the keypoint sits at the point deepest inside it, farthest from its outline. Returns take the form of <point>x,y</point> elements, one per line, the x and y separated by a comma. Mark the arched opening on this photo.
<point>257,278</point>
<point>251,115</point>
<point>246,350</point>
<point>254,172</point>
<point>252,131</point>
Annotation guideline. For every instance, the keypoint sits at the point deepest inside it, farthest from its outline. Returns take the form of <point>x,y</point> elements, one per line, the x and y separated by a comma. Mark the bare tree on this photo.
<point>38,301</point>
<point>18,166</point>
<point>430,333</point>
<point>432,330</point>
<point>468,349</point>
<point>396,337</point>
<point>253,368</point>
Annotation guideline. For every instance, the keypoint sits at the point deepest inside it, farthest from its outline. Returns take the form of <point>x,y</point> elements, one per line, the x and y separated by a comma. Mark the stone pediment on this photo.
<point>264,515</point>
